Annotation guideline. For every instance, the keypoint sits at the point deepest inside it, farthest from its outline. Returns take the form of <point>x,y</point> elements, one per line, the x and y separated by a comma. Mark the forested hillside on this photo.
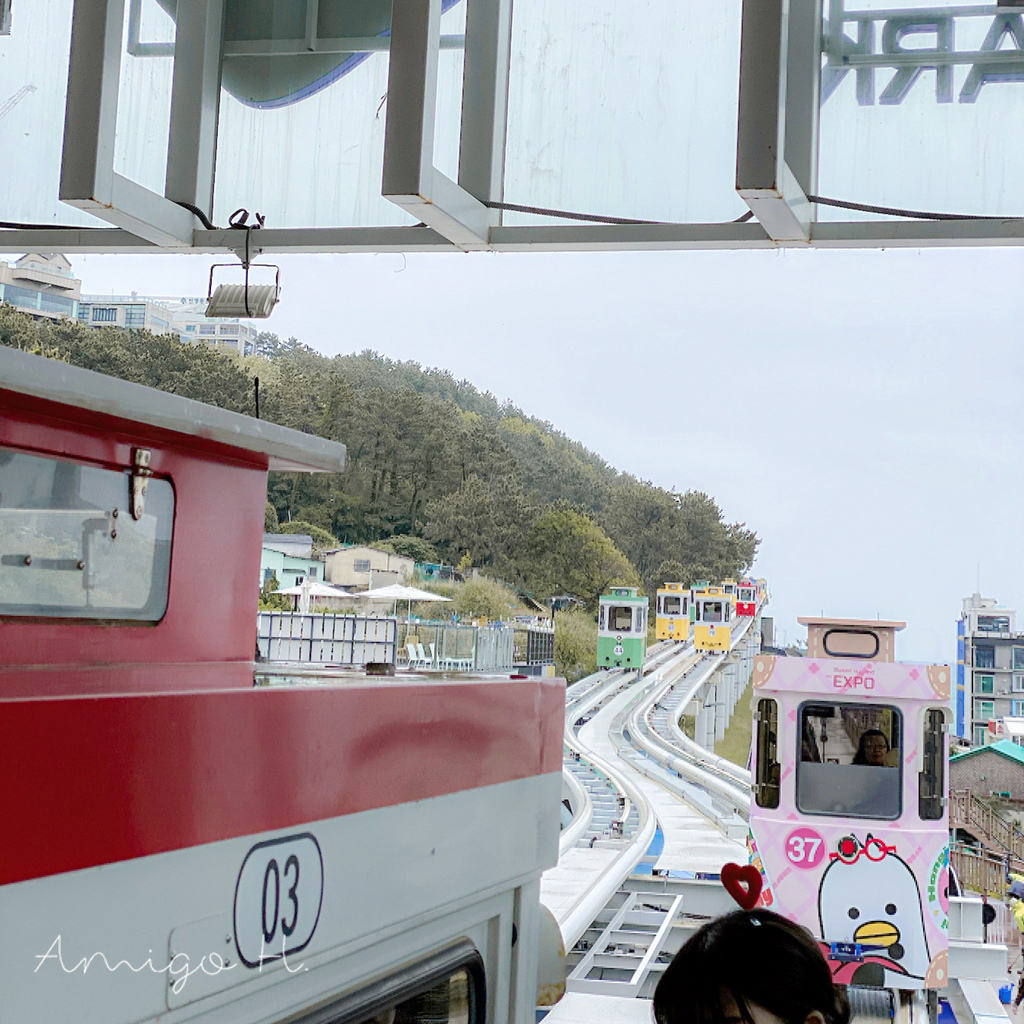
<point>434,465</point>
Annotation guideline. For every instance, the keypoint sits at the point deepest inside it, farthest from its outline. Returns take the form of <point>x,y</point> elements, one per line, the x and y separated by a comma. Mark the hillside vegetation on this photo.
<point>434,465</point>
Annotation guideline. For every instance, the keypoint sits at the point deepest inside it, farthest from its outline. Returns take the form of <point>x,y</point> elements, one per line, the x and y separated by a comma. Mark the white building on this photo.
<point>163,314</point>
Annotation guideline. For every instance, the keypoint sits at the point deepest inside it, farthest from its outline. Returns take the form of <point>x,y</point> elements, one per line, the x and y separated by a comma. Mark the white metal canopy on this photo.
<point>796,59</point>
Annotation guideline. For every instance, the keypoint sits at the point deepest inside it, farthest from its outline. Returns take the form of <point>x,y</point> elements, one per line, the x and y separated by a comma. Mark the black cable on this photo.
<point>890,211</point>
<point>19,226</point>
<point>207,223</point>
<point>541,211</point>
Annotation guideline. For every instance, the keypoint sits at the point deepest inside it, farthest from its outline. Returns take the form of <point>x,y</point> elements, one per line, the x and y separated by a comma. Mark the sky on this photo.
<point>860,410</point>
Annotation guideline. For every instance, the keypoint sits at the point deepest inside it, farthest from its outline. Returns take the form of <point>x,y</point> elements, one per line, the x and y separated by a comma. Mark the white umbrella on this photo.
<point>309,589</point>
<point>315,590</point>
<point>399,592</point>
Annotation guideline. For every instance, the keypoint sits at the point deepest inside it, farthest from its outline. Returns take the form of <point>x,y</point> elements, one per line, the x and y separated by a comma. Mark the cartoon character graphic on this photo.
<point>869,898</point>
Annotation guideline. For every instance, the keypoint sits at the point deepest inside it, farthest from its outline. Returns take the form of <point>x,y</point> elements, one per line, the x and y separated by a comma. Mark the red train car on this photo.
<point>182,844</point>
<point>746,598</point>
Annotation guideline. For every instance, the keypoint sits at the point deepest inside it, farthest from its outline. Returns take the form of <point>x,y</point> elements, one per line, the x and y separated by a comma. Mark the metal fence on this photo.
<point>534,645</point>
<point>325,639</point>
<point>452,645</point>
<point>357,639</point>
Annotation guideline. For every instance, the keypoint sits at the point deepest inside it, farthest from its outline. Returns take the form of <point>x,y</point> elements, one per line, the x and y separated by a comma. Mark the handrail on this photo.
<point>582,815</point>
<point>967,811</point>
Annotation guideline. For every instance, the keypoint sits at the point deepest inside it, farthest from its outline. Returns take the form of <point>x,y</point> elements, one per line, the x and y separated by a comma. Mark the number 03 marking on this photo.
<point>278,896</point>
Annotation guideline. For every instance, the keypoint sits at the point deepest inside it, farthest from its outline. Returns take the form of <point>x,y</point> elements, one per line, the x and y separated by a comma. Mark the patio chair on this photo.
<point>424,660</point>
<point>414,658</point>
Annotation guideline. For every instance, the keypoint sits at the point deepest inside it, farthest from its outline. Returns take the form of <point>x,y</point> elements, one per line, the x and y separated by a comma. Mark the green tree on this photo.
<point>269,600</point>
<point>322,540</point>
<point>487,519</point>
<point>566,551</point>
<point>415,548</point>
<point>270,520</point>
<point>575,644</point>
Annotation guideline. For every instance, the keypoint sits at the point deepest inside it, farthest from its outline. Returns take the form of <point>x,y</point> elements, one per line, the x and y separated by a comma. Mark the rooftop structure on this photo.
<point>851,638</point>
<point>44,287</point>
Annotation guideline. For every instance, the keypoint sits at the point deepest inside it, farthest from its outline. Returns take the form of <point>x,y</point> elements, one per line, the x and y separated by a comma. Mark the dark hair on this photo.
<point>759,959</point>
<point>861,756</point>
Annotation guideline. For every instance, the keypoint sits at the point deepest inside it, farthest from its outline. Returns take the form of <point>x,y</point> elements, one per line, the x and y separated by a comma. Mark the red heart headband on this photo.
<point>743,884</point>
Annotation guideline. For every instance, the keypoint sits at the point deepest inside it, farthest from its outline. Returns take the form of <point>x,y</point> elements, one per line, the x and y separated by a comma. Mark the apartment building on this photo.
<point>163,314</point>
<point>989,671</point>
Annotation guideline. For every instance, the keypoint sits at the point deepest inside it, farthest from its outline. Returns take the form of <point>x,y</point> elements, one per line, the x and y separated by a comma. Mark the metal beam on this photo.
<point>88,181</point>
<point>345,44</point>
<point>763,179</point>
<point>90,120</point>
<point>485,100</point>
<point>410,179</point>
<point>195,103</point>
<point>552,238</point>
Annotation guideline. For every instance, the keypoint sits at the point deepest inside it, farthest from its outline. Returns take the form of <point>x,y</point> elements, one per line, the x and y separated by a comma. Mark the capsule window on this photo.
<point>932,778</point>
<point>447,988</point>
<point>620,619</point>
<point>850,764</point>
<point>850,643</point>
<point>600,618</point>
<point>766,787</point>
<point>71,548</point>
<point>671,605</point>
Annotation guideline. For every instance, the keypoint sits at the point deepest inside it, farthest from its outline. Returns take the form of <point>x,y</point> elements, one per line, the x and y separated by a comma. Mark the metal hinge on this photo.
<point>140,481</point>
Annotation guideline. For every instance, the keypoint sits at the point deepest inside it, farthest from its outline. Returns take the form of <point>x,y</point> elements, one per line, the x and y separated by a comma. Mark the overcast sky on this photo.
<point>860,410</point>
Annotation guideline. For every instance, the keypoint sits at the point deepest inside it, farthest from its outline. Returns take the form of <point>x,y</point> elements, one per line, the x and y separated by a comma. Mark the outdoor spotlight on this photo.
<point>253,301</point>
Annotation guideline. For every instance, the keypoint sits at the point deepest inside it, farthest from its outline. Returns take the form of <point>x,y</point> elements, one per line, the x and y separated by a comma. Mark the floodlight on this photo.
<point>253,301</point>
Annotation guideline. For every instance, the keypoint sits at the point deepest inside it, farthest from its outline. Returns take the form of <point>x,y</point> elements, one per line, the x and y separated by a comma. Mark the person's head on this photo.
<point>873,748</point>
<point>750,967</point>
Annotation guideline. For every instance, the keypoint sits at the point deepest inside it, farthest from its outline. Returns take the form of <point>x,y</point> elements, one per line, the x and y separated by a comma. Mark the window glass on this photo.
<point>850,643</point>
<point>979,735</point>
<point>69,548</point>
<point>600,620</point>
<point>711,611</point>
<point>931,783</point>
<point>361,565</point>
<point>620,619</point>
<point>447,988</point>
<point>1018,681</point>
<point>984,709</point>
<point>986,684</point>
<point>672,605</point>
<point>1018,657</point>
<point>985,657</point>
<point>849,760</point>
<point>104,314</point>
<point>766,788</point>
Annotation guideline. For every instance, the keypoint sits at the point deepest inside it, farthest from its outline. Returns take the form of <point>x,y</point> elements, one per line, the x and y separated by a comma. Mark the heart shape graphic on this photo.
<point>743,884</point>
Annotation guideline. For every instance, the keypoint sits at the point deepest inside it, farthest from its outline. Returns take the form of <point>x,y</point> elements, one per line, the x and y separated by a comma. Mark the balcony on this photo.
<point>49,277</point>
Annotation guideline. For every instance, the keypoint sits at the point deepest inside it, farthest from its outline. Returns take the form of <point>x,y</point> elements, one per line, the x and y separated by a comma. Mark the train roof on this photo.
<point>52,382</point>
<point>812,620</point>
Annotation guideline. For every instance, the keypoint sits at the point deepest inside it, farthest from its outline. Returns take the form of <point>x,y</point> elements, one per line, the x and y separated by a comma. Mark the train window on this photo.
<point>672,605</point>
<point>849,764</point>
<point>447,988</point>
<point>850,643</point>
<point>711,611</point>
<point>70,548</point>
<point>932,778</point>
<point>766,788</point>
<point>620,619</point>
